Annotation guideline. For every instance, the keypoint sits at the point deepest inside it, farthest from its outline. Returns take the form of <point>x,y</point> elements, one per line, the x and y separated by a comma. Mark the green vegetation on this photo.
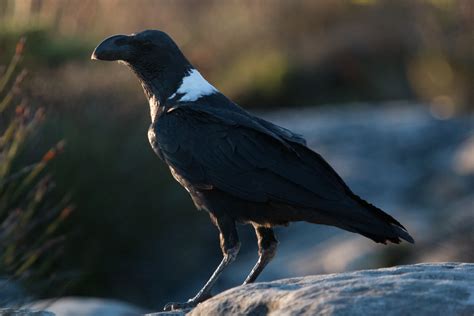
<point>31,221</point>
<point>43,49</point>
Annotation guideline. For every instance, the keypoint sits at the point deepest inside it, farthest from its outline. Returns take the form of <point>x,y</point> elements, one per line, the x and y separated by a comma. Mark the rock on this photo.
<point>171,313</point>
<point>421,289</point>
<point>23,312</point>
<point>82,306</point>
<point>11,294</point>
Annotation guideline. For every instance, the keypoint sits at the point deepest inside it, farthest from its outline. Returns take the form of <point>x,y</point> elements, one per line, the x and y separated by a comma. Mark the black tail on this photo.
<point>392,231</point>
<point>370,221</point>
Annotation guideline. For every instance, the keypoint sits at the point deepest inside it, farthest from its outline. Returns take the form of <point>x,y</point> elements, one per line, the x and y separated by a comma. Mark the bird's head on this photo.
<point>148,52</point>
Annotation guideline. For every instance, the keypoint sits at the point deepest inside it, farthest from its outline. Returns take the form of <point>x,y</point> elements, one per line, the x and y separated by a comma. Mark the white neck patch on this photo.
<point>194,86</point>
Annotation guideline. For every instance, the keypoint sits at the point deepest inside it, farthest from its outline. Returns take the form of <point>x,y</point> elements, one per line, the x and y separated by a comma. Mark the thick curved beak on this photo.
<point>116,47</point>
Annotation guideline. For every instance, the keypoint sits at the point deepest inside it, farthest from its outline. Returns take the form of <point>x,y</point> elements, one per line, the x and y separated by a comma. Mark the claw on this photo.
<point>190,304</point>
<point>173,306</point>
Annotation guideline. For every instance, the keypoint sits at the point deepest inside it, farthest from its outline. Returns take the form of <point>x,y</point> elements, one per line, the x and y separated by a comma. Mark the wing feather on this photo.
<point>243,158</point>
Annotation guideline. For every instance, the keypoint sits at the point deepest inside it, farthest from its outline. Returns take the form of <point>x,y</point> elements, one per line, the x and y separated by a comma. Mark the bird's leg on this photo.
<point>230,246</point>
<point>267,245</point>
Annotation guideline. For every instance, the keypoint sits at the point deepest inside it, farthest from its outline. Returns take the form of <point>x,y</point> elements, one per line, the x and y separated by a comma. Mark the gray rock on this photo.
<point>86,306</point>
<point>11,293</point>
<point>421,289</point>
<point>23,312</point>
<point>171,313</point>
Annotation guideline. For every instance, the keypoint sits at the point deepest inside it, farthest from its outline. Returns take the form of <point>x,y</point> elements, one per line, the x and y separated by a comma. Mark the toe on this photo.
<point>169,307</point>
<point>179,306</point>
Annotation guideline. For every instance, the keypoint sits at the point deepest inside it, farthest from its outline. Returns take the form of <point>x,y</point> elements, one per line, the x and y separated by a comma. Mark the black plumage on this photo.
<point>236,166</point>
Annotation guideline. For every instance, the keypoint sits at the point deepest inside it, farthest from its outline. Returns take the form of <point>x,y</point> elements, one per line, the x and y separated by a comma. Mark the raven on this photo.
<point>236,166</point>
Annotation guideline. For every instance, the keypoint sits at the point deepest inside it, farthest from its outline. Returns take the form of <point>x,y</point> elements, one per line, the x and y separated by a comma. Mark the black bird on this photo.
<point>236,166</point>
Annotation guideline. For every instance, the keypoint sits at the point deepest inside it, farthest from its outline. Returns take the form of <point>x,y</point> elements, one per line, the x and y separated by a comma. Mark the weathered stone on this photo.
<point>23,312</point>
<point>421,289</point>
<point>86,306</point>
<point>171,313</point>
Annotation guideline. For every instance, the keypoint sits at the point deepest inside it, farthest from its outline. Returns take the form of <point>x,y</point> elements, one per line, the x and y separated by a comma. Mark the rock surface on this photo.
<point>421,289</point>
<point>23,312</point>
<point>87,306</point>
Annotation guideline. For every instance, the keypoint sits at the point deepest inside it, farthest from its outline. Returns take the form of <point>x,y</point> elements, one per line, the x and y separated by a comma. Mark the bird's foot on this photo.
<point>190,304</point>
<point>173,306</point>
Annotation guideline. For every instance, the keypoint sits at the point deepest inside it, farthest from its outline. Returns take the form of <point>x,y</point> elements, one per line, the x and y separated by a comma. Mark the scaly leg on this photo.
<point>230,246</point>
<point>267,245</point>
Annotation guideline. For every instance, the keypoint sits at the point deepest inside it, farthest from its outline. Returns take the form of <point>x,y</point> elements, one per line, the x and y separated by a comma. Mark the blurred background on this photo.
<point>383,89</point>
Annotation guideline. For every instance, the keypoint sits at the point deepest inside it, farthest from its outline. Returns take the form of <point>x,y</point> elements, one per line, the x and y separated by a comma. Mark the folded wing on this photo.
<point>242,157</point>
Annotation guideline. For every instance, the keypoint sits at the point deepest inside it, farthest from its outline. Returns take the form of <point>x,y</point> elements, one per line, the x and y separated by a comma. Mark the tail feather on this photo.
<point>402,233</point>
<point>376,211</point>
<point>393,230</point>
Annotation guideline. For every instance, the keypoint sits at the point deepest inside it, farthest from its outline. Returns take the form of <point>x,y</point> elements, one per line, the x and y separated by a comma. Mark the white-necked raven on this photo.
<point>236,166</point>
